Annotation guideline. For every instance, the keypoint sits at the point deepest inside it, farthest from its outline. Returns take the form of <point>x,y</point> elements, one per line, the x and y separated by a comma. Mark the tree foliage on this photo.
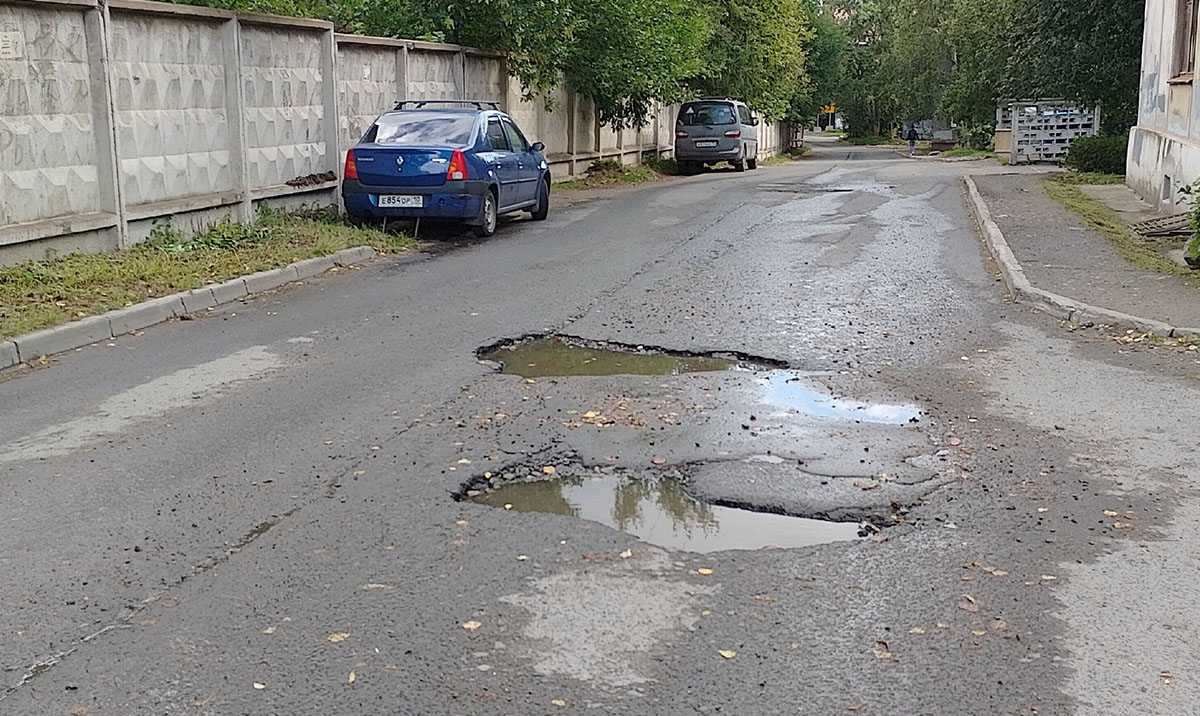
<point>957,60</point>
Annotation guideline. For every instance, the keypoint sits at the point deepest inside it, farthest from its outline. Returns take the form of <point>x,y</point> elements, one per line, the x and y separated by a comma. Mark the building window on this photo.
<point>1185,38</point>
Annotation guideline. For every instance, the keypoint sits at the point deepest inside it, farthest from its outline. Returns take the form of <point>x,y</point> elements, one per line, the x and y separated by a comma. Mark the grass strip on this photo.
<point>40,294</point>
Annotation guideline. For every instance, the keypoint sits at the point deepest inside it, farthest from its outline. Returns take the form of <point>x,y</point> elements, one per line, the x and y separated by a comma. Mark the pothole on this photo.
<point>561,356</point>
<point>658,510</point>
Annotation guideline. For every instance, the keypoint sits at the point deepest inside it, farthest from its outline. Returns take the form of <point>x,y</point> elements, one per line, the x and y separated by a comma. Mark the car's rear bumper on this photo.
<point>691,154</point>
<point>459,200</point>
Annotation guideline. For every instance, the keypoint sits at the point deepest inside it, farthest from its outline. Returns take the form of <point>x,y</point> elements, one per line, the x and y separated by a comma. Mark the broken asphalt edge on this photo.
<point>94,329</point>
<point>1021,290</point>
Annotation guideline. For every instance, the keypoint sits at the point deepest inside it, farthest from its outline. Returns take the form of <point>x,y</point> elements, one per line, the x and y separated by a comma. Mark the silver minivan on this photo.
<point>708,131</point>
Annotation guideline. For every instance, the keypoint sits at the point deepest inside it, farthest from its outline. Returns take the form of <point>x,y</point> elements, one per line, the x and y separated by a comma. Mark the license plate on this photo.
<point>705,145</point>
<point>404,201</point>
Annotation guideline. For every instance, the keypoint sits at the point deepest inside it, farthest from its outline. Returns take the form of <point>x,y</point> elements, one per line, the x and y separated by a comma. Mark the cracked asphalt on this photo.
<point>254,512</point>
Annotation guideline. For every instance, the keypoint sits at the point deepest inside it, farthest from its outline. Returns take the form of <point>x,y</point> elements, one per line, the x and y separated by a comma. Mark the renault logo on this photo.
<point>400,162</point>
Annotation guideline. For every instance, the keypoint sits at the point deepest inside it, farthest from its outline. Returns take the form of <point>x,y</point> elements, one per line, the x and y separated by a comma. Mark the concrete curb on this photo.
<point>77,334</point>
<point>1067,309</point>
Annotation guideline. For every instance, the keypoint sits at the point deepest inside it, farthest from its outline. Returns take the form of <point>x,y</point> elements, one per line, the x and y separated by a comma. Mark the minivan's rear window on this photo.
<point>706,113</point>
<point>422,128</point>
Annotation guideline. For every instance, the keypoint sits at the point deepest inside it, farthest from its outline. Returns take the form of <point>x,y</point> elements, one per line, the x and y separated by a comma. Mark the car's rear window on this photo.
<point>422,128</point>
<point>706,113</point>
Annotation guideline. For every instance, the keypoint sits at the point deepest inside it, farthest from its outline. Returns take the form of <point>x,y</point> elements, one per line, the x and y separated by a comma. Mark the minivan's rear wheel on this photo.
<point>740,165</point>
<point>542,210</point>
<point>752,163</point>
<point>488,216</point>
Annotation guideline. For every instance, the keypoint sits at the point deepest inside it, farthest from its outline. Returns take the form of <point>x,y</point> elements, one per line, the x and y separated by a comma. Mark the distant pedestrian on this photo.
<point>911,136</point>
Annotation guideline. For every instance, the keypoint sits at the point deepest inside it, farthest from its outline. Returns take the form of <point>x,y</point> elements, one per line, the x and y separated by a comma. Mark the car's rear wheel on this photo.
<point>752,163</point>
<point>488,216</point>
<point>740,165</point>
<point>542,210</point>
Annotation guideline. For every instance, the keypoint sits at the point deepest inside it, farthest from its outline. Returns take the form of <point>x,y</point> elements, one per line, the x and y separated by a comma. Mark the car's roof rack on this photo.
<point>479,104</point>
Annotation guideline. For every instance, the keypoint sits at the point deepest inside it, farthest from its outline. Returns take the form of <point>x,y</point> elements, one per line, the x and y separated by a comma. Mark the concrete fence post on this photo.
<point>231,37</point>
<point>460,61</point>
<point>402,74</point>
<point>572,109</point>
<point>108,172</point>
<point>329,100</point>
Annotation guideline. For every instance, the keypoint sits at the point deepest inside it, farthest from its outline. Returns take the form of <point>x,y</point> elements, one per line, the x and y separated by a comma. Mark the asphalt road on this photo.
<point>253,513</point>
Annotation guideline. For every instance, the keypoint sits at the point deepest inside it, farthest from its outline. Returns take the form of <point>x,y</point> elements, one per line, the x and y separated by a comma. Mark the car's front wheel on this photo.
<point>488,216</point>
<point>542,210</point>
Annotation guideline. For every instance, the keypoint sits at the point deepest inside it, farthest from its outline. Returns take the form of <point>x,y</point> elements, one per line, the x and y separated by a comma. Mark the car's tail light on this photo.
<point>733,133</point>
<point>458,167</point>
<point>351,168</point>
<point>681,135</point>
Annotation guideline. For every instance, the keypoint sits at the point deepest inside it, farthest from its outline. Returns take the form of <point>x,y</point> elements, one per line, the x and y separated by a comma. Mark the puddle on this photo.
<point>661,512</point>
<point>556,357</point>
<point>785,390</point>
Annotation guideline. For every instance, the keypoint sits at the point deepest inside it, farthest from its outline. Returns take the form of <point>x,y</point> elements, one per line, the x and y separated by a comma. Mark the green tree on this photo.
<point>757,54</point>
<point>827,57</point>
<point>982,35</point>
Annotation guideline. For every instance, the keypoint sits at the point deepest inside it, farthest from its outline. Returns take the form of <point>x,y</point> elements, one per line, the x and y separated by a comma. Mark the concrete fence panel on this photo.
<point>435,74</point>
<point>368,79</point>
<point>52,164</point>
<point>174,137</point>
<point>283,100</point>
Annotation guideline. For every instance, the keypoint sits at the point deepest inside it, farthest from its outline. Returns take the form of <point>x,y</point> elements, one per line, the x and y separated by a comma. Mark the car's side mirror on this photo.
<point>539,147</point>
<point>755,121</point>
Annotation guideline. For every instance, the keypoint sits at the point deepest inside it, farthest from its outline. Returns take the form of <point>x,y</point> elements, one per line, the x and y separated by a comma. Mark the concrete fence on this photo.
<point>118,115</point>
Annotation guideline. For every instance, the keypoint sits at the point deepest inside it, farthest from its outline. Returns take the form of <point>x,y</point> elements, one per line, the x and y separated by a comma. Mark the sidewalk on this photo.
<point>1063,259</point>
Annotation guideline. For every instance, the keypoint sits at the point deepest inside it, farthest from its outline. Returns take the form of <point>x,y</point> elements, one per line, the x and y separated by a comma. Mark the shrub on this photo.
<point>1102,155</point>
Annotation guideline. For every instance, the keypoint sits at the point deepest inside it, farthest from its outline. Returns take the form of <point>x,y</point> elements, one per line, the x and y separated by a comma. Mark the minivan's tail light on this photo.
<point>458,167</point>
<point>681,135</point>
<point>733,133</point>
<point>351,168</point>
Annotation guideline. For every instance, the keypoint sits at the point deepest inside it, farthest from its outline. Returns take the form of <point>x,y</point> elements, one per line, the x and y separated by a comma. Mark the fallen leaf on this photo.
<point>704,570</point>
<point>1000,625</point>
<point>916,630</point>
<point>765,598</point>
<point>464,461</point>
<point>659,461</point>
<point>591,414</point>
<point>340,636</point>
<point>558,702</point>
<point>462,523</point>
<point>979,632</point>
<point>148,622</point>
<point>373,587</point>
<point>882,654</point>
<point>359,472</point>
<point>549,470</point>
<point>999,573</point>
<point>955,442</point>
<point>269,630</point>
<point>726,654</point>
<point>1049,577</point>
<point>855,707</point>
<point>471,625</point>
<point>78,711</point>
<point>521,558</point>
<point>259,686</point>
<point>1043,509</point>
<point>1111,513</point>
<point>627,554</point>
<point>1122,525</point>
<point>968,604</point>
<point>508,506</point>
<point>351,678</point>
<point>865,485</point>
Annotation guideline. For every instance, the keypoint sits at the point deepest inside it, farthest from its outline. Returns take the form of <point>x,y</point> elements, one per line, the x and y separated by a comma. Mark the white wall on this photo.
<point>1164,147</point>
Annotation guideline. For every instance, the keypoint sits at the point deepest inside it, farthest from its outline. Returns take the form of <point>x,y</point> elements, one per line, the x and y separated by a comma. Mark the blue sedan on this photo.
<point>465,161</point>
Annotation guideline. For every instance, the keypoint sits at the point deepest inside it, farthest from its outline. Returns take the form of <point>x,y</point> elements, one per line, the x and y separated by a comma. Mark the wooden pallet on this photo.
<point>1176,225</point>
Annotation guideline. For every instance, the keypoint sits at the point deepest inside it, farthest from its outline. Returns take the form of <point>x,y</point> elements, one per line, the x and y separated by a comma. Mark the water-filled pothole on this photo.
<point>785,390</point>
<point>558,356</point>
<point>660,511</point>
